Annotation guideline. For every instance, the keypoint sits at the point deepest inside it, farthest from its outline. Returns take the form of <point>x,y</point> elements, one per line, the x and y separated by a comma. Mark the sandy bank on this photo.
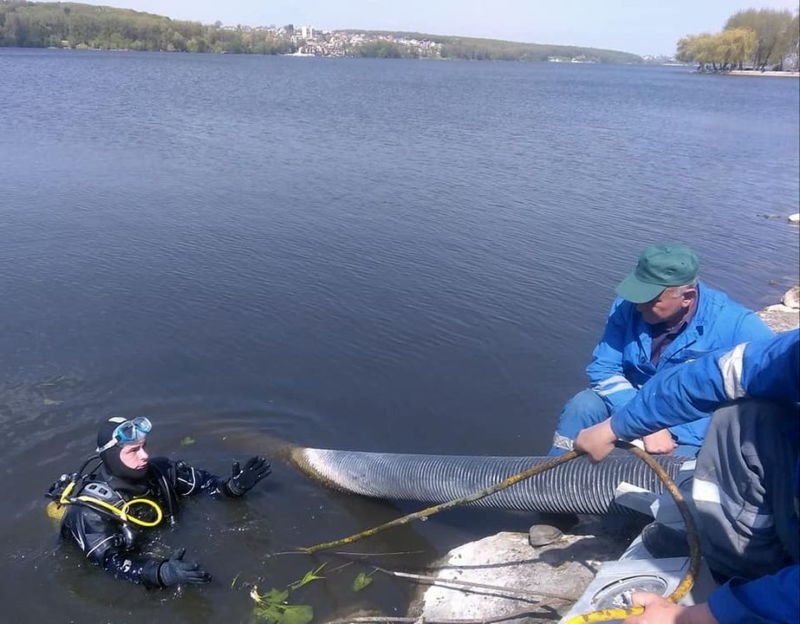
<point>778,74</point>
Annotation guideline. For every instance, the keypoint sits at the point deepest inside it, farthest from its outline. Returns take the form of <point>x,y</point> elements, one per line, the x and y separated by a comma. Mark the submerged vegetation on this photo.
<point>82,26</point>
<point>274,606</point>
<point>759,39</point>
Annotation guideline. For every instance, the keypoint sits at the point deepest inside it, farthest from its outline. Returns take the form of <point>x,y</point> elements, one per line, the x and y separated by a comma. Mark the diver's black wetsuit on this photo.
<point>107,541</point>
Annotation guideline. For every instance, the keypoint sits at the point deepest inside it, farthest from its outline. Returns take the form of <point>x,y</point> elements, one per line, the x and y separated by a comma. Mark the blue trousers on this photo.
<point>584,410</point>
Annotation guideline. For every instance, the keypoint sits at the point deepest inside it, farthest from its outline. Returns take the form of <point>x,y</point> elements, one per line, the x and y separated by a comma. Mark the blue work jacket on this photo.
<point>767,369</point>
<point>621,361</point>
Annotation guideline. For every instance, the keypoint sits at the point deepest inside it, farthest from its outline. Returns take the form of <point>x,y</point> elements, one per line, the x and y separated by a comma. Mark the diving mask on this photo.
<point>128,431</point>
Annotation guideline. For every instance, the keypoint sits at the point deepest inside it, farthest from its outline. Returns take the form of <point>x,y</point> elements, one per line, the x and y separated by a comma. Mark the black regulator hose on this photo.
<point>579,486</point>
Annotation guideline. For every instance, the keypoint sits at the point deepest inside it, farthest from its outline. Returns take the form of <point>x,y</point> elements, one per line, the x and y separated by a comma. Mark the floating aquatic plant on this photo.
<point>274,607</point>
<point>362,580</point>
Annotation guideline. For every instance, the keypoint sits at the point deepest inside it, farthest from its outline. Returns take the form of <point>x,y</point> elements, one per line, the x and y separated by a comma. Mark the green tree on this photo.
<point>380,49</point>
<point>775,33</point>
<point>702,49</point>
<point>791,43</point>
<point>733,47</point>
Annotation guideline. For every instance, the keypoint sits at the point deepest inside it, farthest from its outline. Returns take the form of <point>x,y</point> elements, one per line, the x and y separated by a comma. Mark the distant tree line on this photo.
<point>492,50</point>
<point>56,24</point>
<point>757,38</point>
<point>473,48</point>
<point>73,25</point>
<point>381,49</point>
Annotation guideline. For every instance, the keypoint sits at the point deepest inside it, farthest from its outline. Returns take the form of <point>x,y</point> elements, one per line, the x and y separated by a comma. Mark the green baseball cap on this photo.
<point>659,267</point>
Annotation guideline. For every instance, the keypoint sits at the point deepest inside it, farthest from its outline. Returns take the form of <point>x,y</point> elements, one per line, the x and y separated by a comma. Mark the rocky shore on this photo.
<point>785,315</point>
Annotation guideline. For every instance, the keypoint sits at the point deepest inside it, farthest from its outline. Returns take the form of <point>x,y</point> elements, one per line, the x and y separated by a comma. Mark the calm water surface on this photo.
<point>382,255</point>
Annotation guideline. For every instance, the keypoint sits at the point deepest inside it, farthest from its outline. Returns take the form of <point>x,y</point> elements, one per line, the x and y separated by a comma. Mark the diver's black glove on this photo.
<point>245,478</point>
<point>175,571</point>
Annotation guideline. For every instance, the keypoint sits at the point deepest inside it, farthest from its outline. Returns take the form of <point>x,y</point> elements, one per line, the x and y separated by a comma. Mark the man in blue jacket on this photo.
<point>663,317</point>
<point>746,485</point>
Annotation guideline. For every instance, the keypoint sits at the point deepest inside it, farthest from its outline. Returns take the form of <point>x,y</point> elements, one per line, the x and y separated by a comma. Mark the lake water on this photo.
<point>367,254</point>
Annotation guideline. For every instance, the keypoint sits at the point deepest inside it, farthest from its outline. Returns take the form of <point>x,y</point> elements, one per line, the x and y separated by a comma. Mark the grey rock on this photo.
<point>506,560</point>
<point>791,298</point>
<point>543,534</point>
<point>783,316</point>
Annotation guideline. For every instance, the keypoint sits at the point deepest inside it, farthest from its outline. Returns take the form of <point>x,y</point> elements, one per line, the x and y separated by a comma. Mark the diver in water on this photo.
<point>126,489</point>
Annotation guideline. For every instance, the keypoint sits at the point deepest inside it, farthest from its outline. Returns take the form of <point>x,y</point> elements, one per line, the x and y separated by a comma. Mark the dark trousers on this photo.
<point>746,489</point>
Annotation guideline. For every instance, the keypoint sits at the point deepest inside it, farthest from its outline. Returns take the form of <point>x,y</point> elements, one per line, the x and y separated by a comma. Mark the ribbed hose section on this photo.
<point>579,486</point>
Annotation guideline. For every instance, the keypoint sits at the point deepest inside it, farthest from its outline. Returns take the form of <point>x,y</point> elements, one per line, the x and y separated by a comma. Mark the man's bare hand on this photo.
<point>659,610</point>
<point>597,441</point>
<point>659,443</point>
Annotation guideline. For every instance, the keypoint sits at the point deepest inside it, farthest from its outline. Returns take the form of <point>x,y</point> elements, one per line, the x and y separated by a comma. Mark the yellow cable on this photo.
<point>143,501</point>
<point>686,583</point>
<point>66,492</point>
<point>122,512</point>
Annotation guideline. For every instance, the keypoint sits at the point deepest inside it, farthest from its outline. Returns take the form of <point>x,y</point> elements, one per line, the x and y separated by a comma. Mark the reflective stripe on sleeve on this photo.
<point>705,491</point>
<point>614,384</point>
<point>730,365</point>
<point>744,514</point>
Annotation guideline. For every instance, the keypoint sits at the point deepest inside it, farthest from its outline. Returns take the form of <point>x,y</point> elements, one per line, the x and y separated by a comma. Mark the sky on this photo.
<point>638,26</point>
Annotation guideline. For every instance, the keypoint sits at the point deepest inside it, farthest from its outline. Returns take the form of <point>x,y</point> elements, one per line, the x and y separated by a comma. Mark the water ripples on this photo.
<point>399,256</point>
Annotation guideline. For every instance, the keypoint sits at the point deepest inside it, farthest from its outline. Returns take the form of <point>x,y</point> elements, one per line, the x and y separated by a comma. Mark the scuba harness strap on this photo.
<point>164,472</point>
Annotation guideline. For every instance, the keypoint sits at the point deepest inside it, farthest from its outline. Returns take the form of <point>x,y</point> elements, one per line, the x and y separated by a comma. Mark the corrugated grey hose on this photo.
<point>579,486</point>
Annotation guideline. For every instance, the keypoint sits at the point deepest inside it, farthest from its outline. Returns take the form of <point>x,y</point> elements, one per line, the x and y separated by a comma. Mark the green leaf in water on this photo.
<point>276,613</point>
<point>311,575</point>
<point>187,441</point>
<point>268,612</point>
<point>275,595</point>
<point>361,581</point>
<point>272,607</point>
<point>297,614</point>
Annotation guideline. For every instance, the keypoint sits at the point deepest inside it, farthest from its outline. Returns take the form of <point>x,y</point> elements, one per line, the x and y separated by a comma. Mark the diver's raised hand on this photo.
<point>245,478</point>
